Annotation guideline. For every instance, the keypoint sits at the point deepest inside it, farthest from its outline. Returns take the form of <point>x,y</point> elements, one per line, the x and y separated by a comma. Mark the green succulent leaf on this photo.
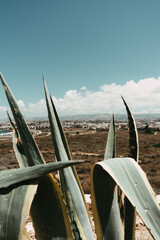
<point>105,205</point>
<point>14,208</point>
<point>32,152</point>
<point>18,146</point>
<point>126,173</point>
<point>15,204</point>
<point>133,135</point>
<point>73,195</point>
<point>16,198</point>
<point>49,211</point>
<point>28,154</point>
<point>13,176</point>
<point>65,143</point>
<point>130,212</point>
<point>110,148</point>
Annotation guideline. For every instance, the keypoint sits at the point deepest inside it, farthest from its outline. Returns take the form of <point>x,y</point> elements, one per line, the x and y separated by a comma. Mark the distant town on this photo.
<point>144,122</point>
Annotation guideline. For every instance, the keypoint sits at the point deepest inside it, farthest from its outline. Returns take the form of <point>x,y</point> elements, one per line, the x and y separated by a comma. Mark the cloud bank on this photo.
<point>142,97</point>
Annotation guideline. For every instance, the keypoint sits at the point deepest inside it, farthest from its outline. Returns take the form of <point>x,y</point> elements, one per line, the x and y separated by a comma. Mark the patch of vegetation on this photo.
<point>156,145</point>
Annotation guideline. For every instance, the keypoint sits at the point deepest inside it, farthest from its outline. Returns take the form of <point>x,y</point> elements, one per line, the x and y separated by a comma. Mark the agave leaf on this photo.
<point>110,148</point>
<point>77,209</point>
<point>49,211</point>
<point>33,157</point>
<point>126,173</point>
<point>130,212</point>
<point>18,146</point>
<point>105,206</point>
<point>31,149</point>
<point>16,199</point>
<point>133,140</point>
<point>13,176</point>
<point>65,143</point>
<point>64,140</point>
<point>14,208</point>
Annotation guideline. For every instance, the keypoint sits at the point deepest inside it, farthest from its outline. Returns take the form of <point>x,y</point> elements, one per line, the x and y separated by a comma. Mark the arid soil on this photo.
<point>90,146</point>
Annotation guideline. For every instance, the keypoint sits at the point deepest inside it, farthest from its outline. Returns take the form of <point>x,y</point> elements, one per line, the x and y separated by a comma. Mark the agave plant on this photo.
<point>59,211</point>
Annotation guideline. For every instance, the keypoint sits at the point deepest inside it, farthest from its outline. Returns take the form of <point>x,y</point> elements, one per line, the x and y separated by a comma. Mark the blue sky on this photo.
<point>89,52</point>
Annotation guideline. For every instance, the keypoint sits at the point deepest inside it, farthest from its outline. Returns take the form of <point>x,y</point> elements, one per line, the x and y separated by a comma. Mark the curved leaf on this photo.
<point>133,135</point>
<point>14,211</point>
<point>105,205</point>
<point>132,180</point>
<point>49,211</point>
<point>130,212</point>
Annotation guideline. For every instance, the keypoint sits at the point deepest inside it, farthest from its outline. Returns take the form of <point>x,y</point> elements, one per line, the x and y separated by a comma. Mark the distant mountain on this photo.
<point>105,116</point>
<point>97,116</point>
<point>37,118</point>
<point>147,116</point>
<point>92,117</point>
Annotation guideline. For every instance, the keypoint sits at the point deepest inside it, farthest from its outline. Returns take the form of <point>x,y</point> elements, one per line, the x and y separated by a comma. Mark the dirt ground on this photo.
<point>90,146</point>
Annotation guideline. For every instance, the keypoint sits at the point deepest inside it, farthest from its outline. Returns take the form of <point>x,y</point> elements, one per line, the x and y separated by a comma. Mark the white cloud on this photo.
<point>37,109</point>
<point>3,109</point>
<point>83,88</point>
<point>142,97</point>
<point>21,104</point>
